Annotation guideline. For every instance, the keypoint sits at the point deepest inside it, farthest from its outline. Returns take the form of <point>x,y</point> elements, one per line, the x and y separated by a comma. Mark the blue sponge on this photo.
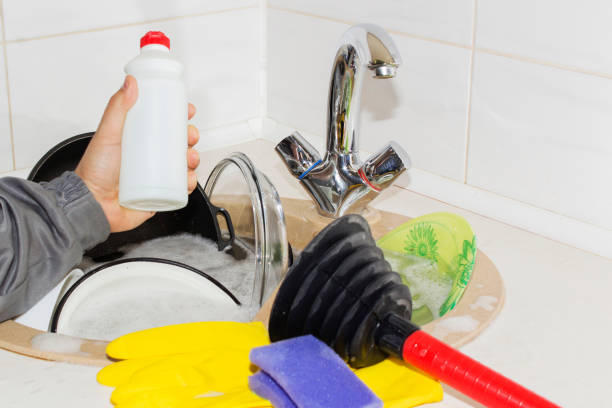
<point>264,386</point>
<point>303,372</point>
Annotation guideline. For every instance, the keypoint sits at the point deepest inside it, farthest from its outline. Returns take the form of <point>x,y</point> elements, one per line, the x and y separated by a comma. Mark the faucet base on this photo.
<point>340,183</point>
<point>320,219</point>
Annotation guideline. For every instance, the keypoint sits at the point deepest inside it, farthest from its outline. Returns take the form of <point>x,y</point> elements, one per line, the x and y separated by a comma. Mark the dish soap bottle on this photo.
<point>153,173</point>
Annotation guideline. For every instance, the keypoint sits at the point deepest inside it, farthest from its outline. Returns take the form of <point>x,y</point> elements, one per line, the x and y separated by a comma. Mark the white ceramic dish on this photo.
<point>137,294</point>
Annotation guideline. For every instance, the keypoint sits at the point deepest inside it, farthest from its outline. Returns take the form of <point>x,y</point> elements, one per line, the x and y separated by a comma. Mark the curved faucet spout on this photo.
<point>361,47</point>
<point>340,183</point>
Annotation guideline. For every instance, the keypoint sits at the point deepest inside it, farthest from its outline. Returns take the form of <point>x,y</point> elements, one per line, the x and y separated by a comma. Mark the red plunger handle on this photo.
<point>467,375</point>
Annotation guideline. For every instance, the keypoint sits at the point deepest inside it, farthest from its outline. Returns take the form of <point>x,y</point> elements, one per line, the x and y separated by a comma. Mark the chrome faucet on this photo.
<point>340,183</point>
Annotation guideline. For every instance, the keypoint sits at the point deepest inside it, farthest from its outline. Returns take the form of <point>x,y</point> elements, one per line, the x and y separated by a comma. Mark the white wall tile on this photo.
<point>21,173</point>
<point>449,20</point>
<point>573,33</point>
<point>300,54</point>
<point>541,135</point>
<point>223,136</point>
<point>6,154</point>
<point>59,86</point>
<point>34,18</point>
<point>424,107</point>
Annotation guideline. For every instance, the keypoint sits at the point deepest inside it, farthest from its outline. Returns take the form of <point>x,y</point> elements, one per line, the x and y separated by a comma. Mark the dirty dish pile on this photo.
<point>207,272</point>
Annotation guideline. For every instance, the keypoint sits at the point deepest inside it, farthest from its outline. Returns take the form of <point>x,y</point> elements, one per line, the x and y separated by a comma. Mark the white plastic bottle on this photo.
<point>154,146</point>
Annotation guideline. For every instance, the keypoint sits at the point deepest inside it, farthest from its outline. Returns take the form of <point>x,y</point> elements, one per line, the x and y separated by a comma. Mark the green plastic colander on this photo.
<point>435,255</point>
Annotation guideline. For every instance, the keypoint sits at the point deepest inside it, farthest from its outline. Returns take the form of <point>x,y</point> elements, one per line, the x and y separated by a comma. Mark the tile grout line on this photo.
<point>492,218</point>
<point>515,57</point>
<point>211,129</point>
<point>263,61</point>
<point>428,39</point>
<point>503,196</point>
<point>391,31</point>
<point>469,97</point>
<point>458,45</point>
<point>414,36</point>
<point>537,61</point>
<point>8,89</point>
<point>447,179</point>
<point>228,124</point>
<point>112,27</point>
<point>19,169</point>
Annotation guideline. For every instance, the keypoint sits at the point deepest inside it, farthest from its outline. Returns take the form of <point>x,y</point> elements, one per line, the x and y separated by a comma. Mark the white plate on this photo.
<point>130,295</point>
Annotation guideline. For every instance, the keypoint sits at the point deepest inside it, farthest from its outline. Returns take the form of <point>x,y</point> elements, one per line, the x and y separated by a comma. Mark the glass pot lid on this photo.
<point>259,226</point>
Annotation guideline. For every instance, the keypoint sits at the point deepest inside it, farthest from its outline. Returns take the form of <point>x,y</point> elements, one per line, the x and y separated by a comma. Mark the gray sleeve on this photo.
<point>44,230</point>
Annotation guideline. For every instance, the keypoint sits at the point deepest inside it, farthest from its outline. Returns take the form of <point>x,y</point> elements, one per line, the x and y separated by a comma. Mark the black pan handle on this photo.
<point>222,242</point>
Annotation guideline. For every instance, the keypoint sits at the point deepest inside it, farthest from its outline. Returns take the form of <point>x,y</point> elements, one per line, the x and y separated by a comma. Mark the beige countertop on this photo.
<point>552,335</point>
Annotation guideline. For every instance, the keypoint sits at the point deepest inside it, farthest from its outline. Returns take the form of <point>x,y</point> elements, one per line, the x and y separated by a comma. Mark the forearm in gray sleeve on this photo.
<point>44,230</point>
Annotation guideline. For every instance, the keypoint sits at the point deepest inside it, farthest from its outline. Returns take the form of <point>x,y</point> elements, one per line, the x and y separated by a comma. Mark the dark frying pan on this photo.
<point>198,217</point>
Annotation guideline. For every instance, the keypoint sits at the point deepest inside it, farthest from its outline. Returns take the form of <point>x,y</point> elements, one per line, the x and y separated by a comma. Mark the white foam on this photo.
<point>58,343</point>
<point>131,310</point>
<point>457,324</point>
<point>201,253</point>
<point>140,305</point>
<point>427,285</point>
<point>486,302</point>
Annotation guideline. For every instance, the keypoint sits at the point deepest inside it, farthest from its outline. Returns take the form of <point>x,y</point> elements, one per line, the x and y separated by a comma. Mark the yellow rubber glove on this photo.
<point>186,338</point>
<point>400,386</point>
<point>213,360</point>
<point>207,364</point>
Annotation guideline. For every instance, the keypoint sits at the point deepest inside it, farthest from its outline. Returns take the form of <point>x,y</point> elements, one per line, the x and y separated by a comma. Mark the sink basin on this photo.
<point>481,302</point>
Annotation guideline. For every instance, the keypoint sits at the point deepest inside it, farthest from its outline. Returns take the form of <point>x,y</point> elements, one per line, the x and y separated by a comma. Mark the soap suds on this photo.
<point>427,285</point>
<point>109,317</point>
<point>237,276</point>
<point>141,305</point>
<point>458,324</point>
<point>485,302</point>
<point>58,343</point>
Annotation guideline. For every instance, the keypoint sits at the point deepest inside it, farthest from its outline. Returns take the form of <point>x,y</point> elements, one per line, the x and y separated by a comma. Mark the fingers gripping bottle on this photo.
<point>154,145</point>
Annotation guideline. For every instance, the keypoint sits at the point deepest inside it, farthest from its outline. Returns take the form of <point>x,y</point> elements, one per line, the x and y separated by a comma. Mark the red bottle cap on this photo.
<point>155,37</point>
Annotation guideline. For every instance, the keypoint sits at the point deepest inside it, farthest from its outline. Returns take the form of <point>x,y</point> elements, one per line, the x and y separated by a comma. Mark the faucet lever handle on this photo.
<point>299,156</point>
<point>384,166</point>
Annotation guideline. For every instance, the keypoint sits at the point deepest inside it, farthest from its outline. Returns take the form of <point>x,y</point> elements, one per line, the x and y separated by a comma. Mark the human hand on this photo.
<point>100,165</point>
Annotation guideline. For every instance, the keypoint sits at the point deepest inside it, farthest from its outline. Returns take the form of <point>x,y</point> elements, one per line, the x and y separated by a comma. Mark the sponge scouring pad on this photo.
<point>265,386</point>
<point>307,373</point>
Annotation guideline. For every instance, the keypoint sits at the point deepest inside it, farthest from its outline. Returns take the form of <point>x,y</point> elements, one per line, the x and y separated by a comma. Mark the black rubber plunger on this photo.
<point>342,291</point>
